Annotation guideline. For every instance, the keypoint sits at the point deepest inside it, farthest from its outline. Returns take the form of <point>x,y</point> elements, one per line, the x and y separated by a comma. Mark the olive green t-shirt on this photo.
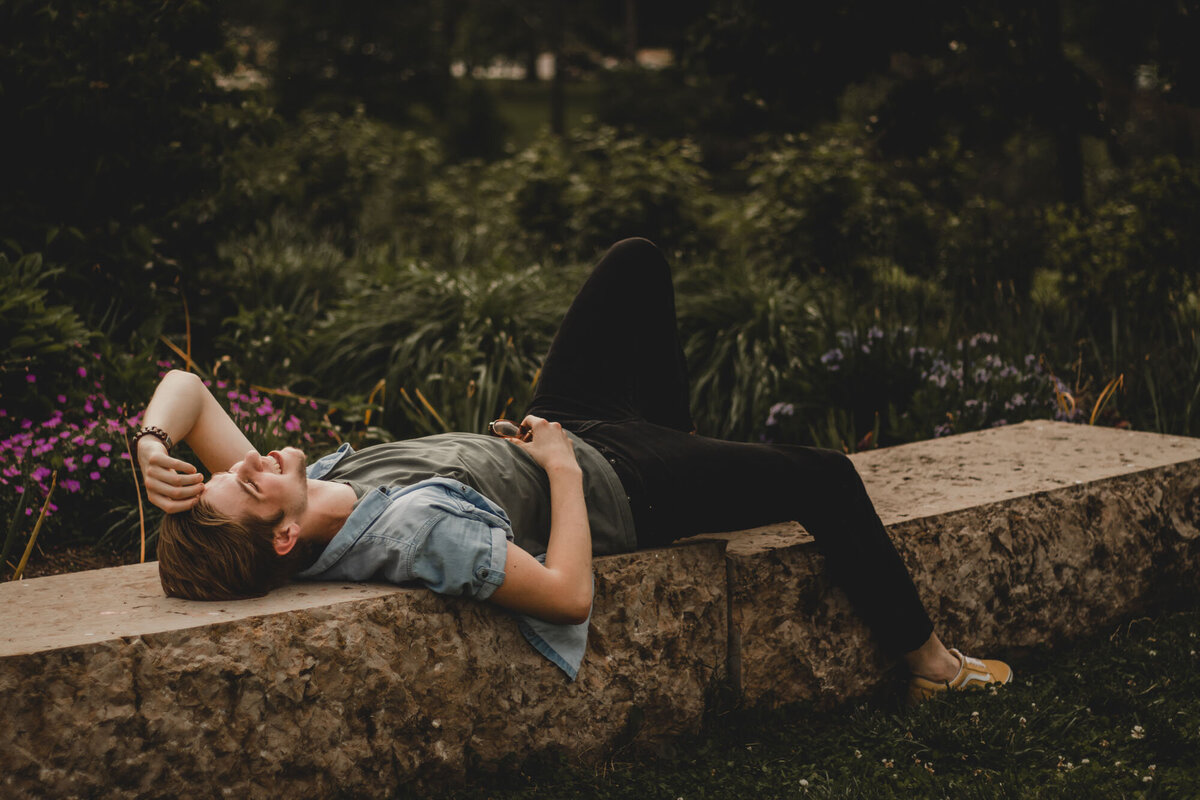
<point>506,475</point>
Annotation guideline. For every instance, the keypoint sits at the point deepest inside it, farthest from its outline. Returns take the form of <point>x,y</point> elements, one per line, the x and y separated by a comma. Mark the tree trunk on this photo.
<point>558,95</point>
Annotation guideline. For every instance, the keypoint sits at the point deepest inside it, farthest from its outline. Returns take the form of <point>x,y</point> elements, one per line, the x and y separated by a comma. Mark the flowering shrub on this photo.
<point>83,440</point>
<point>886,389</point>
<point>981,389</point>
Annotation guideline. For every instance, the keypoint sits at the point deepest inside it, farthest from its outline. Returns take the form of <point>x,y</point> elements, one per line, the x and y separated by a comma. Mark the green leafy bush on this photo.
<point>821,205</point>
<point>35,337</point>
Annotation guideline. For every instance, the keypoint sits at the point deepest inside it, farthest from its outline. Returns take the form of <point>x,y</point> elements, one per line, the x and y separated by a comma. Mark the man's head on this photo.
<point>243,536</point>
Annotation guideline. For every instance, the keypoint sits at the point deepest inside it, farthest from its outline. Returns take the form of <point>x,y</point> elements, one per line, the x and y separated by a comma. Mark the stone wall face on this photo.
<point>362,689</point>
<point>1027,571</point>
<point>364,696</point>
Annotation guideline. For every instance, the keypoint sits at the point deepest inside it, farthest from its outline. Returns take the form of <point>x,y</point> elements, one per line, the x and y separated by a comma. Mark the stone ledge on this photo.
<point>1033,532</point>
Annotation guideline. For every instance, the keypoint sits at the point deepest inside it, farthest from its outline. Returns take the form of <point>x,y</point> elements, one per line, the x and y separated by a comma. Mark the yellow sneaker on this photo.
<point>973,673</point>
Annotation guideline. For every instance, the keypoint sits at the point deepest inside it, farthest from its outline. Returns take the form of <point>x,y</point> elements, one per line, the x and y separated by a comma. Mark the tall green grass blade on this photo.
<point>10,537</point>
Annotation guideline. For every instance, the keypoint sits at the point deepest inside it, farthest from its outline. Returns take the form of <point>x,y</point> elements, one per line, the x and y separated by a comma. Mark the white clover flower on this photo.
<point>1085,761</point>
<point>1138,732</point>
<point>803,783</point>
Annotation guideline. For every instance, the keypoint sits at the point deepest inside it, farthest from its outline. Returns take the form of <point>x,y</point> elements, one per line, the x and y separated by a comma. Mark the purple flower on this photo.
<point>105,446</point>
<point>62,398</point>
<point>70,485</point>
<point>87,458</point>
<point>88,407</point>
<point>103,461</point>
<point>94,475</point>
<point>81,372</point>
<point>292,423</point>
<point>31,378</point>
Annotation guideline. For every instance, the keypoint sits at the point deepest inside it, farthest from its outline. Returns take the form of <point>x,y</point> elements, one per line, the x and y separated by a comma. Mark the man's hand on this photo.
<point>171,484</point>
<point>548,445</point>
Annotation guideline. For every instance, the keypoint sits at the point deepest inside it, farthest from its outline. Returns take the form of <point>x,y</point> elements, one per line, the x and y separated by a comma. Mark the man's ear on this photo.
<point>286,538</point>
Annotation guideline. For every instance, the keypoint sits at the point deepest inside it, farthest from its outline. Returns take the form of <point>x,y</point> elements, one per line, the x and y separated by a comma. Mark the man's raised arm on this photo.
<point>184,409</point>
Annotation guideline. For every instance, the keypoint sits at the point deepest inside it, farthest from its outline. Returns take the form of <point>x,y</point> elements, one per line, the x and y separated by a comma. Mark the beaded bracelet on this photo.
<point>156,432</point>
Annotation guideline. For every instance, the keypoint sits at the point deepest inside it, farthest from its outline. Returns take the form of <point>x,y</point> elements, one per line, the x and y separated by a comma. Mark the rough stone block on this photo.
<point>363,695</point>
<point>1014,536</point>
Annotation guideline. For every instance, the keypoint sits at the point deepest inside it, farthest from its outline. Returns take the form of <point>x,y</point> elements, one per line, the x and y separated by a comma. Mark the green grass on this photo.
<point>1115,716</point>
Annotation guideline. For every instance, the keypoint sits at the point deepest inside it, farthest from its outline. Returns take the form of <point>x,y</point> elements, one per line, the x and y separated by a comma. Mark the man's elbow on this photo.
<point>578,609</point>
<point>182,376</point>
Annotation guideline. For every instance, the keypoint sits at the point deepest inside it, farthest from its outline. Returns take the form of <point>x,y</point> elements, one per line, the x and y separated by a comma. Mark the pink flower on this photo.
<point>292,424</point>
<point>103,461</point>
<point>31,378</point>
<point>81,372</point>
<point>62,398</point>
<point>87,458</point>
<point>88,407</point>
<point>94,476</point>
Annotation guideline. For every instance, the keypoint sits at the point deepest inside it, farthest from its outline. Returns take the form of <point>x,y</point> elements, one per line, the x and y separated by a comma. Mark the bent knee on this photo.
<point>637,260</point>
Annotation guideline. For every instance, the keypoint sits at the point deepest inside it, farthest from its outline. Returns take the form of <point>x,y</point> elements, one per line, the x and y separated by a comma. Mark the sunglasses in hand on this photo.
<point>508,429</point>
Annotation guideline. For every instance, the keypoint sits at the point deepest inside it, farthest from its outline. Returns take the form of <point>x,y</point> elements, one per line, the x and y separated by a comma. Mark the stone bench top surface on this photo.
<point>911,481</point>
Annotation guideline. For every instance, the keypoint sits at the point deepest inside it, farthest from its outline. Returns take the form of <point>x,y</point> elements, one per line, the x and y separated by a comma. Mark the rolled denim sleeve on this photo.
<point>462,555</point>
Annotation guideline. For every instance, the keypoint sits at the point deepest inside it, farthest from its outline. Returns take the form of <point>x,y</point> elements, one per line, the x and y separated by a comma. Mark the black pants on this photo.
<point>616,376</point>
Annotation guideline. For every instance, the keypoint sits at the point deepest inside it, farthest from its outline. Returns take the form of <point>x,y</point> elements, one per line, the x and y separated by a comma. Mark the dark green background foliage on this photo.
<point>884,226</point>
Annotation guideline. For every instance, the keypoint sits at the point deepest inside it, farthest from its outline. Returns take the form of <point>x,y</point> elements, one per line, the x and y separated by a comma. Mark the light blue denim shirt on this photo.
<point>441,533</point>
